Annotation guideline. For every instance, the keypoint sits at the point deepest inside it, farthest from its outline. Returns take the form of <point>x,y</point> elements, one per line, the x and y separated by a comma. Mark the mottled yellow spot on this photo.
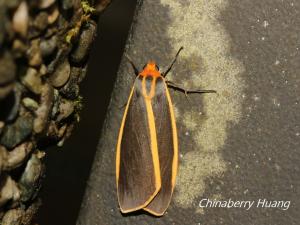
<point>207,54</point>
<point>190,119</point>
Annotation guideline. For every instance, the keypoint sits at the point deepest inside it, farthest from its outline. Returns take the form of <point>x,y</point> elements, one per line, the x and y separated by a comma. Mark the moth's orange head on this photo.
<point>150,69</point>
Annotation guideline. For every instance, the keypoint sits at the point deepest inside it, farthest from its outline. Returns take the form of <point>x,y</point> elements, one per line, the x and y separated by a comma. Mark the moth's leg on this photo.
<point>186,91</point>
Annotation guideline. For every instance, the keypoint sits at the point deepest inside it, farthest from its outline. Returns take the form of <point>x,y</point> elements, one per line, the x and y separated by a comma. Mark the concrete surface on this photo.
<point>241,144</point>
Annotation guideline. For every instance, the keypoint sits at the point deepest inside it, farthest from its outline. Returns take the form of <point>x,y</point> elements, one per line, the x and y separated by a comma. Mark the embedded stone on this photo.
<point>82,49</point>
<point>44,109</point>
<point>9,190</point>
<point>29,182</point>
<point>41,21</point>
<point>13,217</point>
<point>61,75</point>
<point>53,16</point>
<point>7,68</point>
<point>30,103</point>
<point>34,54</point>
<point>46,3</point>
<point>66,108</point>
<point>48,46</point>
<point>15,133</point>
<point>20,19</point>
<point>33,81</point>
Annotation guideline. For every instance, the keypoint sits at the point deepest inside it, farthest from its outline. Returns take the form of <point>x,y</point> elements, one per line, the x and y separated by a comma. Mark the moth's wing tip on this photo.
<point>155,213</point>
<point>140,206</point>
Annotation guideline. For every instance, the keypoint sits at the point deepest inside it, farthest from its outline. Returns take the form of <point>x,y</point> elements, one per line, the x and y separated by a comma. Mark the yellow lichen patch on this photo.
<point>193,171</point>
<point>207,55</point>
<point>87,12</point>
<point>189,120</point>
<point>72,33</point>
<point>199,210</point>
<point>87,9</point>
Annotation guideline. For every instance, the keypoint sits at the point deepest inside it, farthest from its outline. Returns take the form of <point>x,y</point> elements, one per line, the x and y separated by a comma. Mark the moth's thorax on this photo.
<point>150,70</point>
<point>149,84</point>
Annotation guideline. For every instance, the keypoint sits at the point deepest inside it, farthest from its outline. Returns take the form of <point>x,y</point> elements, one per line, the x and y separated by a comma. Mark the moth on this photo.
<point>147,146</point>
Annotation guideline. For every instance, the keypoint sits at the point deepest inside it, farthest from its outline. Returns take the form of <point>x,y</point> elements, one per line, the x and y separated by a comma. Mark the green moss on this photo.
<point>78,103</point>
<point>72,33</point>
<point>87,9</point>
<point>87,12</point>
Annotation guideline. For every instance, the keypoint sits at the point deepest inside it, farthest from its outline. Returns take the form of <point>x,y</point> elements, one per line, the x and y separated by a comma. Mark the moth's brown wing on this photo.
<point>167,147</point>
<point>137,165</point>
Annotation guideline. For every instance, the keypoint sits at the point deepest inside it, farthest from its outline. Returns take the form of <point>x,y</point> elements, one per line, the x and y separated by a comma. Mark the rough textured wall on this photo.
<point>241,144</point>
<point>44,47</point>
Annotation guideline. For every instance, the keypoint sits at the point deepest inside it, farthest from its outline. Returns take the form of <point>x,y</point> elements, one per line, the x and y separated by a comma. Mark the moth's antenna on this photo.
<point>136,71</point>
<point>171,65</point>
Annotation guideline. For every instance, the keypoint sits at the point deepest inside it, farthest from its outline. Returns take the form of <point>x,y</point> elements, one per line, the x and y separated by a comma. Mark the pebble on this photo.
<point>30,104</point>
<point>34,54</point>
<point>11,104</point>
<point>20,19</point>
<point>13,217</point>
<point>62,131</point>
<point>71,89</point>
<point>5,91</point>
<point>41,21</point>
<point>7,74</point>
<point>1,126</point>
<point>19,48</point>
<point>48,46</point>
<point>82,73</point>
<point>79,54</point>
<point>13,107</point>
<point>45,3</point>
<point>66,108</point>
<point>66,134</point>
<point>30,180</point>
<point>61,74</point>
<point>15,133</point>
<point>52,17</point>
<point>56,102</point>
<point>10,160</point>
<point>60,55</point>
<point>42,113</point>
<point>7,68</point>
<point>43,70</point>
<point>32,81</point>
<point>52,131</point>
<point>12,4</point>
<point>3,157</point>
<point>67,4</point>
<point>9,190</point>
